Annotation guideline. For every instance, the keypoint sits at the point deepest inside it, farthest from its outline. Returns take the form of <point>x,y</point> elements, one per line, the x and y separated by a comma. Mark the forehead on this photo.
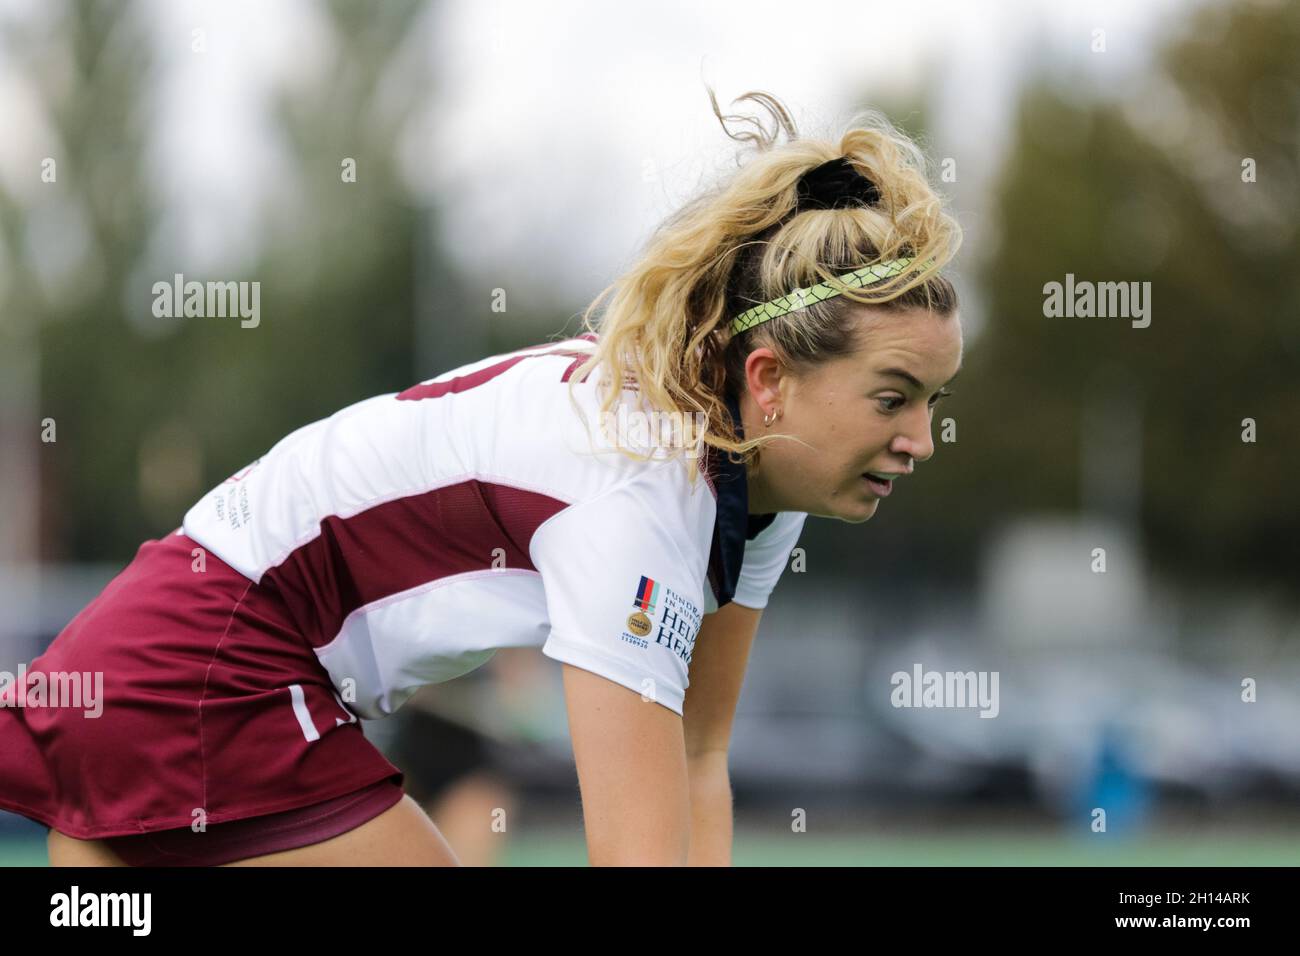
<point>927,345</point>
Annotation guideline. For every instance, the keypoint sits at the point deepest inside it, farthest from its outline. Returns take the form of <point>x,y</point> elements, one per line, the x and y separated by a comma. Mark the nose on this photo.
<point>915,438</point>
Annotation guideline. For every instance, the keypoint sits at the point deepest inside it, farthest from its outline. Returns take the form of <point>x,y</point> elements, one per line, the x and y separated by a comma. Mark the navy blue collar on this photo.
<point>734,524</point>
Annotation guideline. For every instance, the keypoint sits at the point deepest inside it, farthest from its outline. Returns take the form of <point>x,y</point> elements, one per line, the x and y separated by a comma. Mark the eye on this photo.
<point>892,403</point>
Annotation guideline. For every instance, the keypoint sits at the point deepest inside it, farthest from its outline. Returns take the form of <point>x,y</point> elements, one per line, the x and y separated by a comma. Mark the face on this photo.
<point>866,412</point>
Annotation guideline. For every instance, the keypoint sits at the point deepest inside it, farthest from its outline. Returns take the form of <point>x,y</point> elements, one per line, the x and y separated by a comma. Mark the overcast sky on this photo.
<point>557,134</point>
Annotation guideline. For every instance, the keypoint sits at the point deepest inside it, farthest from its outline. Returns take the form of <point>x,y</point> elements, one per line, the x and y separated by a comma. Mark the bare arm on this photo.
<point>632,772</point>
<point>717,673</point>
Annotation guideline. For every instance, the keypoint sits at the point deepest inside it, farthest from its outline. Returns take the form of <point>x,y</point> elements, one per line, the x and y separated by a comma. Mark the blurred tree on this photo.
<point>339,270</point>
<point>1084,192</point>
<point>149,414</point>
<point>72,241</point>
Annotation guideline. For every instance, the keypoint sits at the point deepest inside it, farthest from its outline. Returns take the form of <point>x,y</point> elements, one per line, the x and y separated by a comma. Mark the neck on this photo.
<point>757,489</point>
<point>760,495</point>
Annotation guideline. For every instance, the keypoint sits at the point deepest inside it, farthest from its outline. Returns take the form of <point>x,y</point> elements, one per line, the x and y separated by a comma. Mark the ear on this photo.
<point>763,375</point>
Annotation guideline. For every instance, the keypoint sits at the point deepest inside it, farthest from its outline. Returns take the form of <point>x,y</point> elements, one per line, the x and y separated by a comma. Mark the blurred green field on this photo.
<point>976,848</point>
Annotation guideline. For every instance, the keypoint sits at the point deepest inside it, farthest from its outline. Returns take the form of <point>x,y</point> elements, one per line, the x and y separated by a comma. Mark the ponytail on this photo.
<point>667,329</point>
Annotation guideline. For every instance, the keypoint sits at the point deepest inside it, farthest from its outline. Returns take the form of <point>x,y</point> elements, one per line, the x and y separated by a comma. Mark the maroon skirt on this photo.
<point>211,708</point>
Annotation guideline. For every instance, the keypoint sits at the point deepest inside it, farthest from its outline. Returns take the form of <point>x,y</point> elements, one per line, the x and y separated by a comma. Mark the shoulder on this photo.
<point>651,507</point>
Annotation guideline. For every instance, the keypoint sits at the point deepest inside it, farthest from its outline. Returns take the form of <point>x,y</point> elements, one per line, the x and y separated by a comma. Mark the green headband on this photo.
<point>802,298</point>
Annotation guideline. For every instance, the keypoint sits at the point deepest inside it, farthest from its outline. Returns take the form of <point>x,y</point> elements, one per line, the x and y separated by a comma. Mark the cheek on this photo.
<point>853,431</point>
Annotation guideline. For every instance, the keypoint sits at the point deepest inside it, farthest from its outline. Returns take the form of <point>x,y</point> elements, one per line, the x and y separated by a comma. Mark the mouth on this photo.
<point>880,484</point>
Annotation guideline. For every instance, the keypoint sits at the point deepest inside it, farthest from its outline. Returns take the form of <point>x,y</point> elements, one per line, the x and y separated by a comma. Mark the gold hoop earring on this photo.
<point>769,418</point>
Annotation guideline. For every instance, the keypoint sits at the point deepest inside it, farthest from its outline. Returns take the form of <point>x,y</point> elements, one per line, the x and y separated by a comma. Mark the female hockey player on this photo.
<point>797,312</point>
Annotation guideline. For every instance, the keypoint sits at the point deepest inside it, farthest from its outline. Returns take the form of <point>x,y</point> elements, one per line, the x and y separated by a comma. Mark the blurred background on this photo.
<point>518,154</point>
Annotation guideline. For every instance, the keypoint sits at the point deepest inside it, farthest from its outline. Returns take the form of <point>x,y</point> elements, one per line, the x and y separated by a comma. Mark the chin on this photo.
<point>852,512</point>
<point>864,513</point>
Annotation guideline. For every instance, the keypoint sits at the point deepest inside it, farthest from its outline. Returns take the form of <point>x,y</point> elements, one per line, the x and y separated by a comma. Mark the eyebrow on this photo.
<point>912,379</point>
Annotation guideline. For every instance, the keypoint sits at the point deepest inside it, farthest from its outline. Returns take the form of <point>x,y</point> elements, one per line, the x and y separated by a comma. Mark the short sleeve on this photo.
<point>624,579</point>
<point>766,556</point>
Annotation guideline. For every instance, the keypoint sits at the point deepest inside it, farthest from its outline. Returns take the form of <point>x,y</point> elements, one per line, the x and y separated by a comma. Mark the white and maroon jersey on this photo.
<point>412,534</point>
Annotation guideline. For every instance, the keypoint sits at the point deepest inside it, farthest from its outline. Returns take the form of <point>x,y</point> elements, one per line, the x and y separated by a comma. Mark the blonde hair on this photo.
<point>666,330</point>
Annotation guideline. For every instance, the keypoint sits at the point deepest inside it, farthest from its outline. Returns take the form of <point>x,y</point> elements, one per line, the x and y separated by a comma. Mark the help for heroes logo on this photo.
<point>677,624</point>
